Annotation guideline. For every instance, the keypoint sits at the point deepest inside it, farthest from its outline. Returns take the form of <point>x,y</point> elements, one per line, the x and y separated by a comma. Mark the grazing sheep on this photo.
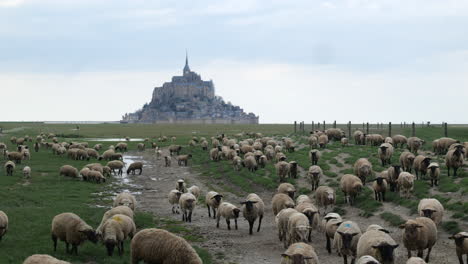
<point>182,160</point>
<point>299,253</point>
<point>325,196</point>
<point>167,161</point>
<point>115,230</point>
<point>367,260</point>
<point>311,212</point>
<point>116,165</point>
<point>405,184</point>
<point>346,238</point>
<point>106,155</point>
<point>444,144</point>
<point>351,186</point>
<point>125,198</point>
<point>380,187</point>
<point>298,229</point>
<point>375,139</point>
<point>43,259</point>
<point>71,229</point>
<point>84,173</point>
<point>187,202</point>
<point>69,171</point>
<point>454,159</point>
<point>13,140</point>
<point>313,176</point>
<point>313,141</point>
<point>434,172</point>
<point>281,220</point>
<point>344,142</point>
<point>250,163</point>
<point>95,176</point>
<point>414,143</point>
<point>287,188</point>
<point>420,165</point>
<point>419,234</point>
<point>92,153</point>
<point>407,160</point>
<point>181,186</point>
<point>194,190</point>
<point>393,172</point>
<point>323,141</point>
<point>461,243</point>
<point>213,200</point>
<point>385,153</point>
<point>173,197</point>
<point>278,149</point>
<point>174,149</point>
<point>160,246</point>
<point>97,147</point>
<point>314,156</point>
<point>431,208</point>
<point>135,166</point>
<point>9,167</point>
<point>228,211</point>
<point>121,209</point>
<point>3,224</point>
<point>253,208</point>
<point>281,201</point>
<point>378,245</point>
<point>331,225</point>
<point>399,139</point>
<point>363,169</point>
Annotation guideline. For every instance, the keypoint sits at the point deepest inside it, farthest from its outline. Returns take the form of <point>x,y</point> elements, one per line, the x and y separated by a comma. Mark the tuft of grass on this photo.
<point>393,219</point>
<point>368,205</point>
<point>451,227</point>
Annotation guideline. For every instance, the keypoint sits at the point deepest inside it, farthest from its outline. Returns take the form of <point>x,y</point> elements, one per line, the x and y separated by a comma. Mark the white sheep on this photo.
<point>173,198</point>
<point>325,196</point>
<point>303,199</point>
<point>314,156</point>
<point>250,163</point>
<point>331,226</point>
<point>419,234</point>
<point>385,152</point>
<point>414,143</point>
<point>228,211</point>
<point>313,176</point>
<point>351,186</point>
<point>237,163</point>
<point>281,220</point>
<point>115,230</point>
<point>69,171</point>
<point>287,188</point>
<point>281,201</point>
<point>125,198</point>
<point>461,243</point>
<point>195,190</point>
<point>43,259</point>
<point>378,245</point>
<point>311,212</point>
<point>298,229</point>
<point>406,184</point>
<point>379,185</point>
<point>299,253</point>
<point>187,202</point>
<point>431,208</point>
<point>434,172</point>
<point>399,139</point>
<point>363,169</point>
<point>346,238</point>
<point>213,200</point>
<point>253,208</point>
<point>3,224</point>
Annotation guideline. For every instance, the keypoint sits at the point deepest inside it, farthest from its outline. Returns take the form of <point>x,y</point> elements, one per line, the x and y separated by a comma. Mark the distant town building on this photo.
<point>189,99</point>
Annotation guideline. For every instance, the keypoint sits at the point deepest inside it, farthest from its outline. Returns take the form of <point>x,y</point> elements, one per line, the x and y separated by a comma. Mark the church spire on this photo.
<point>186,68</point>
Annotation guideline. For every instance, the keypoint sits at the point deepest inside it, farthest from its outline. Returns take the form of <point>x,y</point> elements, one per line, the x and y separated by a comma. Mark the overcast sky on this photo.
<point>285,60</point>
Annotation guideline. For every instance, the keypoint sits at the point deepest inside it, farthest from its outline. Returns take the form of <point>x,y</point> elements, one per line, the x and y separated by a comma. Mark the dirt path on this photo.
<point>236,246</point>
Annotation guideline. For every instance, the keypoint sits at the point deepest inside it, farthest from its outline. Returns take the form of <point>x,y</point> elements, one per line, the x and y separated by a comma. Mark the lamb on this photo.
<point>415,260</point>
<point>461,243</point>
<point>71,229</point>
<point>250,163</point>
<point>174,149</point>
<point>323,141</point>
<point>406,184</point>
<point>69,171</point>
<point>121,209</point>
<point>9,167</point>
<point>454,159</point>
<point>167,161</point>
<point>116,165</point>
<point>313,141</point>
<point>311,212</point>
<point>367,260</point>
<point>228,211</point>
<point>282,170</point>
<point>298,229</point>
<point>125,198</point>
<point>313,176</point>
<point>420,165</point>
<point>331,226</point>
<point>135,166</point>
<point>434,172</point>
<point>346,238</point>
<point>287,188</point>
<point>194,190</point>
<point>43,259</point>
<point>363,169</point>
<point>173,197</point>
<point>351,186</point>
<point>213,200</point>
<point>399,139</point>
<point>187,202</point>
<point>431,208</point>
<point>3,224</point>
<point>115,230</point>
<point>380,187</point>
<point>393,173</point>
<point>182,160</point>
<point>281,220</point>
<point>378,245</point>
<point>160,246</point>
<point>281,201</point>
<point>181,186</point>
<point>385,153</point>
<point>414,143</point>
<point>314,156</point>
<point>237,163</point>
<point>253,208</point>
<point>299,253</point>
<point>406,161</point>
<point>325,196</point>
<point>141,147</point>
<point>419,234</point>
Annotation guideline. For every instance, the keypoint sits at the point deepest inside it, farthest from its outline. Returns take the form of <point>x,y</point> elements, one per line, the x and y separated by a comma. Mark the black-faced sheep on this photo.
<point>253,208</point>
<point>420,165</point>
<point>431,208</point>
<point>378,245</point>
<point>346,238</point>
<point>405,184</point>
<point>454,159</point>
<point>434,172</point>
<point>9,167</point>
<point>379,186</point>
<point>228,211</point>
<point>419,234</point>
<point>187,202</point>
<point>313,176</point>
<point>182,160</point>
<point>461,243</point>
<point>213,200</point>
<point>314,156</point>
<point>135,166</point>
<point>385,153</point>
<point>287,188</point>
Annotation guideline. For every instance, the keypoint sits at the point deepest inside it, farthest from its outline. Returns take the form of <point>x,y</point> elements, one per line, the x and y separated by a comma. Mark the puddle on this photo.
<point>112,139</point>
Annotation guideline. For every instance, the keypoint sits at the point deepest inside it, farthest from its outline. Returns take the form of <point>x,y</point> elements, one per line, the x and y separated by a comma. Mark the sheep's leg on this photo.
<point>259,223</point>
<point>309,238</point>
<point>251,223</point>
<point>409,253</point>
<point>209,212</point>
<point>217,222</point>
<point>228,222</point>
<point>54,239</point>
<point>345,259</point>
<point>383,196</point>
<point>448,171</point>
<point>328,244</point>
<point>235,221</point>
<point>428,252</point>
<point>183,216</point>
<point>214,213</point>
<point>376,195</point>
<point>190,217</point>
<point>121,247</point>
<point>141,171</point>
<point>67,247</point>
<point>455,172</point>
<point>420,254</point>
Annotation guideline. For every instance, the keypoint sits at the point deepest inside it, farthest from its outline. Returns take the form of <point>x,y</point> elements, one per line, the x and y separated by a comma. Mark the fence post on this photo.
<point>303,127</point>
<point>313,126</point>
<point>324,125</point>
<point>413,129</point>
<point>445,129</point>
<point>390,129</point>
<point>404,124</point>
<point>367,128</point>
<point>349,129</point>
<point>334,124</point>
<point>295,124</point>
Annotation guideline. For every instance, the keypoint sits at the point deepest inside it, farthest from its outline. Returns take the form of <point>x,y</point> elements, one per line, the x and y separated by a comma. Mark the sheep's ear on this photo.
<point>338,224</point>
<point>341,233</point>
<point>253,202</point>
<point>284,255</point>
<point>419,226</point>
<point>402,226</point>
<point>395,246</point>
<point>354,234</point>
<point>451,237</point>
<point>243,202</point>
<point>384,230</point>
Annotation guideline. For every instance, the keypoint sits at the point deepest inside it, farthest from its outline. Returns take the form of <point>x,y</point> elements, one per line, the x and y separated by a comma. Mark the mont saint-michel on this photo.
<point>189,99</point>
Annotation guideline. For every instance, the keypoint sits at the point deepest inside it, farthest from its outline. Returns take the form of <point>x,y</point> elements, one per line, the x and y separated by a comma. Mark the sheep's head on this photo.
<point>459,238</point>
<point>291,193</point>
<point>347,238</point>
<point>249,205</point>
<point>110,245</point>
<point>385,251</point>
<point>379,180</point>
<point>310,215</point>
<point>296,258</point>
<point>411,228</point>
<point>126,202</point>
<point>178,194</point>
<point>428,212</point>
<point>383,149</point>
<point>397,169</point>
<point>302,232</point>
<point>236,212</point>
<point>90,234</point>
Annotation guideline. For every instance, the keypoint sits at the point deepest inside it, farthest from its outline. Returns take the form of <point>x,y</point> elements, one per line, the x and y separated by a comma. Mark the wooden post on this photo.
<point>313,126</point>
<point>413,129</point>
<point>334,124</point>
<point>318,125</point>
<point>349,130</point>
<point>404,124</point>
<point>363,125</point>
<point>390,129</point>
<point>324,125</point>
<point>295,129</point>
<point>445,129</point>
<point>367,128</point>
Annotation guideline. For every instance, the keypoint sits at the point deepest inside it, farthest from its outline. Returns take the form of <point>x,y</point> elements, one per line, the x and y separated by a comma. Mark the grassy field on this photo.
<point>32,204</point>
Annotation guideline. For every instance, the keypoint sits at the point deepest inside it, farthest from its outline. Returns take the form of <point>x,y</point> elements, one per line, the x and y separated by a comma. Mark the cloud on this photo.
<point>10,3</point>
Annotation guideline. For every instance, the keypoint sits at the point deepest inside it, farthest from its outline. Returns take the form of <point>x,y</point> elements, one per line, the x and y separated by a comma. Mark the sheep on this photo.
<point>358,137</point>
<point>351,186</point>
<point>95,176</point>
<point>174,149</point>
<point>419,234</point>
<point>374,139</point>
<point>331,225</point>
<point>181,186</point>
<point>299,253</point>
<point>9,167</point>
<point>313,176</point>
<point>281,201</point>
<point>454,159</point>
<point>385,153</point>
<point>393,172</point>
<point>420,165</point>
<point>289,145</point>
<point>344,142</point>
<point>167,161</point>
<point>444,144</point>
<point>250,163</point>
<point>121,209</point>
<point>346,238</point>
<point>253,208</point>
<point>313,141</point>
<point>43,259</point>
<point>287,188</point>
<point>434,172</point>
<point>84,173</point>
<point>92,153</point>
<point>82,154</point>
<point>116,165</point>
<point>389,140</point>
<point>415,260</point>
<point>182,160</point>
<point>379,186</point>
<point>106,155</point>
<point>278,149</point>
<point>115,230</point>
<point>262,161</point>
<point>378,228</point>
<point>173,197</point>
<point>213,200</point>
<point>69,171</point>
<point>270,154</point>
<point>367,260</point>
<point>96,167</point>
<point>16,157</point>
<point>363,169</point>
<point>414,143</point>
<point>194,190</point>
<point>125,198</point>
<point>281,220</point>
<point>431,208</point>
<point>71,229</point>
<point>399,139</point>
<point>314,156</point>
<point>228,211</point>
<point>323,141</point>
<point>407,160</point>
<point>461,243</point>
<point>298,229</point>
<point>311,212</point>
<point>135,166</point>
<point>405,184</point>
<point>335,133</point>
<point>97,147</point>
<point>26,154</point>
<point>237,163</point>
<point>303,199</point>
<point>325,196</point>
<point>3,224</point>
<point>378,245</point>
<point>187,202</point>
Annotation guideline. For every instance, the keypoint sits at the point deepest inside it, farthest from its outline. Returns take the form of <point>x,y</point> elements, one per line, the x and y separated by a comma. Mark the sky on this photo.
<point>284,60</point>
